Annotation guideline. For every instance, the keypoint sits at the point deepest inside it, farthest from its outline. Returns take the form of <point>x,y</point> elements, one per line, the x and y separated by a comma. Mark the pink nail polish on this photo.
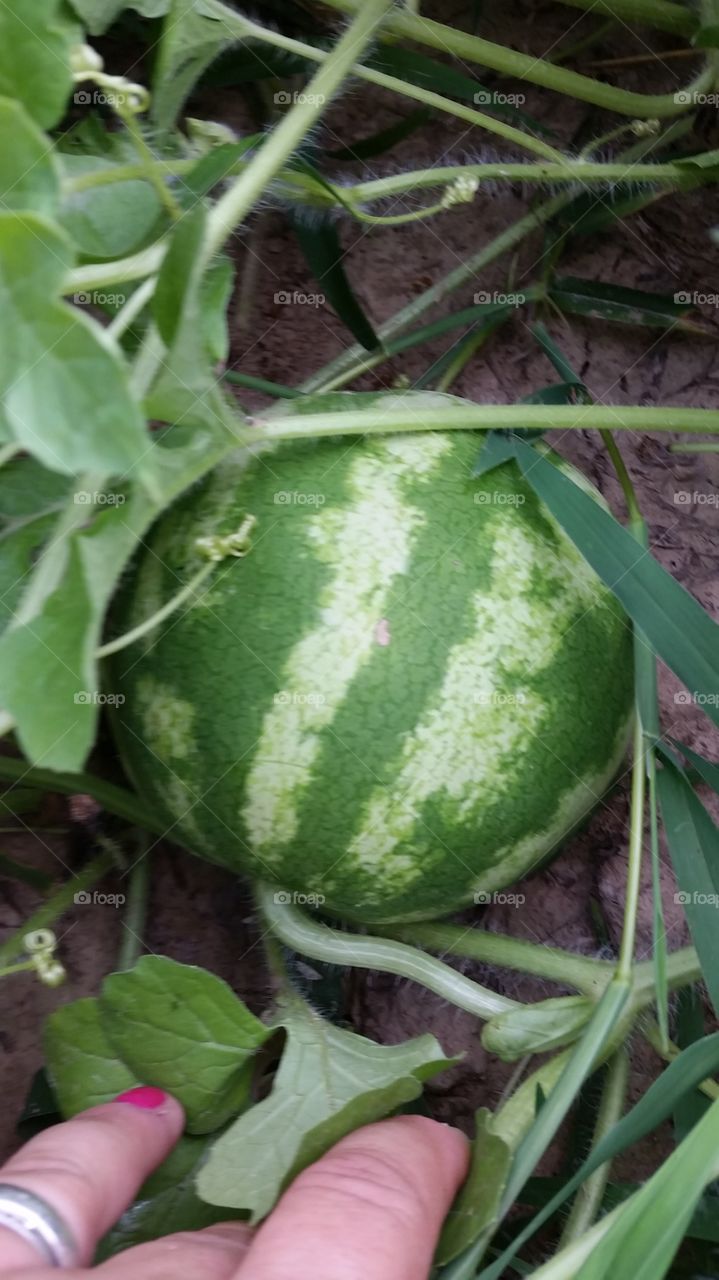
<point>145,1096</point>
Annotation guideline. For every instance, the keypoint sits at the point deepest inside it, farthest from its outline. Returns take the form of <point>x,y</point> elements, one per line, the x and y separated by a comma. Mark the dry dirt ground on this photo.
<point>202,915</point>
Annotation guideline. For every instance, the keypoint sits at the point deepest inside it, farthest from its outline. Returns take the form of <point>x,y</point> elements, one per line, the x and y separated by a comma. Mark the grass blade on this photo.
<point>693,843</point>
<point>324,253</point>
<point>679,631</point>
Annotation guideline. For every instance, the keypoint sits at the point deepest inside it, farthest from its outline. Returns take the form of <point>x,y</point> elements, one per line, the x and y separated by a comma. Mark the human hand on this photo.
<point>370,1209</point>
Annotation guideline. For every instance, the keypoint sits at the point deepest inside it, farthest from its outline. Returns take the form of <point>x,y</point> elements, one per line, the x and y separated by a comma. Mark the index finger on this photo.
<point>90,1168</point>
<point>373,1206</point>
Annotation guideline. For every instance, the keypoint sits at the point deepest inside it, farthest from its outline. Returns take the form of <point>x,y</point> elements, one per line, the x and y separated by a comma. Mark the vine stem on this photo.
<point>320,942</point>
<point>419,94</point>
<point>135,911</point>
<point>233,206</point>
<point>585,172</point>
<point>125,804</point>
<point>149,624</point>
<point>470,48</point>
<point>586,975</point>
<point>660,14</point>
<point>465,416</point>
<point>588,1200</point>
<point>636,841</point>
<point>55,906</point>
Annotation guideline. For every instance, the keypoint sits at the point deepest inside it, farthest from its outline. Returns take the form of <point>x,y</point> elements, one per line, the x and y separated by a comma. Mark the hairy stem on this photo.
<point>588,1200</point>
<point>57,905</point>
<point>523,66</point>
<point>320,942</point>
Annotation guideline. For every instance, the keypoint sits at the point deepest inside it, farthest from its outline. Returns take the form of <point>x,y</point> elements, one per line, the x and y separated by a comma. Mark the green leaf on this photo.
<point>681,1077</point>
<point>689,1030</point>
<point>19,546</point>
<point>343,1081</point>
<point>693,842</point>
<point>324,255</point>
<point>188,304</point>
<point>193,34</point>
<point>417,68</point>
<point>537,1028</point>
<point>184,1030</point>
<point>110,219</point>
<point>497,448</point>
<point>477,1204</point>
<point>167,1202</point>
<point>676,627</point>
<point>82,1064</point>
<point>375,144</point>
<point>29,175</point>
<point>35,58</point>
<point>98,15</point>
<point>604,301</point>
<point>644,1236</point>
<point>65,395</point>
<point>707,769</point>
<point>13,870</point>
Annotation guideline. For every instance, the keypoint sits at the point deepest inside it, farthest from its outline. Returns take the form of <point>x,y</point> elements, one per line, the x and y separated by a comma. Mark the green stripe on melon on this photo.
<point>407,694</point>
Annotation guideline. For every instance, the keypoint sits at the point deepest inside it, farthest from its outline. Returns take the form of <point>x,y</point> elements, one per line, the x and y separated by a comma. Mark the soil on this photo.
<point>200,914</point>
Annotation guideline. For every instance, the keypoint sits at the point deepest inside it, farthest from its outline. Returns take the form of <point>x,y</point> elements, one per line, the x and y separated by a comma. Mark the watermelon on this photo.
<point>402,698</point>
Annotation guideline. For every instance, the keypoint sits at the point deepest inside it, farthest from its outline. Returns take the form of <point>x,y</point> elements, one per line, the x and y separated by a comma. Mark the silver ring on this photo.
<point>34,1220</point>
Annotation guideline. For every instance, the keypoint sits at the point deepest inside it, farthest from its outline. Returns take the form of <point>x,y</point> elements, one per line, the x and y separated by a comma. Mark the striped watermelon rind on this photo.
<point>403,698</point>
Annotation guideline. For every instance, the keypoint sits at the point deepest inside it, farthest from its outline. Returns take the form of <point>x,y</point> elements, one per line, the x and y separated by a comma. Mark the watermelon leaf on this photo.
<point>35,58</point>
<point>477,1204</point>
<point>184,1030</point>
<point>344,1081</point>
<point>82,1065</point>
<point>167,1202</point>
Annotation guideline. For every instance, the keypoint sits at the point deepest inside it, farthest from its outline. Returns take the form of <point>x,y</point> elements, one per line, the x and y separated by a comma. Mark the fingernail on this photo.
<point>145,1096</point>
